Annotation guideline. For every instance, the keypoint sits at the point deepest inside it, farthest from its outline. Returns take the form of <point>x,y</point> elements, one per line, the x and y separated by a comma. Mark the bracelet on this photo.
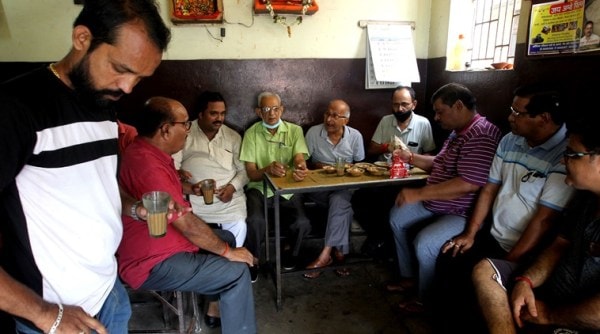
<point>132,210</point>
<point>524,279</point>
<point>58,319</point>
<point>412,158</point>
<point>226,250</point>
<point>384,147</point>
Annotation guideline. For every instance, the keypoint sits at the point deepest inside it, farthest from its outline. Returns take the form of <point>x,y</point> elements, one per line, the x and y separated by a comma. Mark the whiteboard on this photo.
<point>390,56</point>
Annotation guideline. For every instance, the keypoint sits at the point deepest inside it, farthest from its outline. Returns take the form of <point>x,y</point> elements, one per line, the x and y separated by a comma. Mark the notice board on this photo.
<point>390,56</point>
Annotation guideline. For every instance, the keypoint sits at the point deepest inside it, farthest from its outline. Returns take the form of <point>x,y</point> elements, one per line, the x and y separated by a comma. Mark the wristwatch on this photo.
<point>132,210</point>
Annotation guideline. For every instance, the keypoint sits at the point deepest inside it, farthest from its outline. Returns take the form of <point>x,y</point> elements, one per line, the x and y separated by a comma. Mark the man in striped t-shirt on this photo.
<point>440,208</point>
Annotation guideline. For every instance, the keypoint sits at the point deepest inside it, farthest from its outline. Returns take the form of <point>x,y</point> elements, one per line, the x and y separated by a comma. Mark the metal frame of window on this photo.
<point>495,24</point>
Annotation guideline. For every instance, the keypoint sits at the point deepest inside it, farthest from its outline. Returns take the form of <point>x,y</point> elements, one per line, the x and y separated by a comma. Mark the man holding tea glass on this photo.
<point>173,262</point>
<point>266,144</point>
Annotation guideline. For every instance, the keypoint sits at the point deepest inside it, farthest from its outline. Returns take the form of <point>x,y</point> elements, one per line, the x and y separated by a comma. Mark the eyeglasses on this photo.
<point>517,113</point>
<point>266,110</point>
<point>186,124</point>
<point>405,105</point>
<point>334,116</point>
<point>576,155</point>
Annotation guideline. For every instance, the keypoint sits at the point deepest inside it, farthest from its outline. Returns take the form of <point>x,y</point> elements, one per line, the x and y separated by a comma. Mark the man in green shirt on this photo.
<point>275,147</point>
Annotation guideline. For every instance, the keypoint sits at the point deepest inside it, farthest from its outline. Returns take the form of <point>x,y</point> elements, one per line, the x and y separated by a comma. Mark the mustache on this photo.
<point>115,93</point>
<point>217,123</point>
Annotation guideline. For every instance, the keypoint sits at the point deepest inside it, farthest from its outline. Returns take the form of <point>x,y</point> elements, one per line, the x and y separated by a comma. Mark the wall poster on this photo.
<point>564,27</point>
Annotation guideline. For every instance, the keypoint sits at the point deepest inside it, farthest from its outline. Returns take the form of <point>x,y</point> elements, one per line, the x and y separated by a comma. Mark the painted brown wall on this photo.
<point>306,86</point>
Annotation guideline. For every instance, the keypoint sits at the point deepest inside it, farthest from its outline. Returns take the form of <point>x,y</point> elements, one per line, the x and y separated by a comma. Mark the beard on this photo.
<point>402,116</point>
<point>82,81</point>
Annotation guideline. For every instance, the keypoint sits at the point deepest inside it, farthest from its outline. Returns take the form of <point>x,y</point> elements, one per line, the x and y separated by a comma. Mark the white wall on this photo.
<point>39,30</point>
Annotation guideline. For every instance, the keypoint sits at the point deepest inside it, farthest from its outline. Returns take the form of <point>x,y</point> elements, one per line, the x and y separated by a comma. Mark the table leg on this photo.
<point>278,280</point>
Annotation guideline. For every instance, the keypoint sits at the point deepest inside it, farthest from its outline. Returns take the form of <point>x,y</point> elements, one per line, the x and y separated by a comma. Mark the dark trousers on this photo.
<point>292,215</point>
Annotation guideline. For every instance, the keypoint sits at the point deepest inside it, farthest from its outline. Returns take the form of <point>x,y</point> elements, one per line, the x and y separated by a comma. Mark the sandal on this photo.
<point>317,264</point>
<point>405,285</point>
<point>413,307</point>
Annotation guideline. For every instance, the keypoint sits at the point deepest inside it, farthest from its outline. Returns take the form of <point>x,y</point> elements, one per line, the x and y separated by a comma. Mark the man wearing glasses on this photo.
<point>560,288</point>
<point>414,130</point>
<point>326,142</point>
<point>174,262</point>
<point>525,193</point>
<point>275,147</point>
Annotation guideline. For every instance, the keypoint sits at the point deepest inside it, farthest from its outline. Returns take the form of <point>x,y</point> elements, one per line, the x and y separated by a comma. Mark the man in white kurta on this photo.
<point>212,151</point>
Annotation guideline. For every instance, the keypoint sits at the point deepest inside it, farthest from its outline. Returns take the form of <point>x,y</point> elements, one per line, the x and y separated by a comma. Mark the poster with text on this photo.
<point>556,27</point>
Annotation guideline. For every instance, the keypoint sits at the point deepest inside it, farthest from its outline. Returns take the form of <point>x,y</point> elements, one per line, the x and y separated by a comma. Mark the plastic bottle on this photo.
<point>458,54</point>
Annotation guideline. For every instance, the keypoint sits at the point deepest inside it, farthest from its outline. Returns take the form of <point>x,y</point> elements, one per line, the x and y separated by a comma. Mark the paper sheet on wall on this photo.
<point>390,56</point>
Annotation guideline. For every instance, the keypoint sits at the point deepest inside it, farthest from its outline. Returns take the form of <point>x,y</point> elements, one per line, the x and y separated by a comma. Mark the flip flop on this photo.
<point>402,287</point>
<point>413,307</point>
<point>314,265</point>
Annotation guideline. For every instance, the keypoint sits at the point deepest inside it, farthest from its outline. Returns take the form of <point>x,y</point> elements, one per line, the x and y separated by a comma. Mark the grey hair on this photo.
<point>267,94</point>
<point>347,113</point>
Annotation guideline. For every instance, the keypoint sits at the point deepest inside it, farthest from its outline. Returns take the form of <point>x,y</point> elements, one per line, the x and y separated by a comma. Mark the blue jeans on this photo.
<point>114,314</point>
<point>426,245</point>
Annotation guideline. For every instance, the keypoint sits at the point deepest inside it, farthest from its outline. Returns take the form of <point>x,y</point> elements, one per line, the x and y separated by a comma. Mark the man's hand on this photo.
<point>184,175</point>
<point>225,193</point>
<point>407,196</point>
<point>300,172</point>
<point>522,296</point>
<point>74,320</point>
<point>542,317</point>
<point>276,169</point>
<point>175,211</point>
<point>459,244</point>
<point>240,254</point>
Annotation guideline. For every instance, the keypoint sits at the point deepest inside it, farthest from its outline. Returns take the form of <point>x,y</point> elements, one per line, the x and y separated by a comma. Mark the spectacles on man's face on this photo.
<point>403,105</point>
<point>186,124</point>
<point>334,116</point>
<point>266,110</point>
<point>570,154</point>
<point>517,113</point>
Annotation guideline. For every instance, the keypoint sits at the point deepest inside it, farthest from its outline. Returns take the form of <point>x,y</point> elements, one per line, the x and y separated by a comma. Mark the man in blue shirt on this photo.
<point>327,141</point>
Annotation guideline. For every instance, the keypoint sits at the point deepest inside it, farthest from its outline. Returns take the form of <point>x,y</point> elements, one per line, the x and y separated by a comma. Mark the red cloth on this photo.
<point>145,168</point>
<point>127,134</point>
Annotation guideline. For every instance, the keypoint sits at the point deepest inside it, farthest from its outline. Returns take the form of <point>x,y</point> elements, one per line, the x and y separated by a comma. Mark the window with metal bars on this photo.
<point>494,36</point>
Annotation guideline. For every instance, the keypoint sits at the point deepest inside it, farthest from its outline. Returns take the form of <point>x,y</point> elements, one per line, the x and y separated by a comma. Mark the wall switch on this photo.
<point>222,32</point>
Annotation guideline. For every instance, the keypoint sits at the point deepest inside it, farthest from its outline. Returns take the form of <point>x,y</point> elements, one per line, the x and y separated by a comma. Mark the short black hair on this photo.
<point>104,18</point>
<point>586,128</point>
<point>202,103</point>
<point>452,92</point>
<point>542,98</point>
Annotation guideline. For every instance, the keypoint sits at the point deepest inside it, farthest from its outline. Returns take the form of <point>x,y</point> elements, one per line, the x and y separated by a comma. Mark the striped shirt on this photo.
<point>467,155</point>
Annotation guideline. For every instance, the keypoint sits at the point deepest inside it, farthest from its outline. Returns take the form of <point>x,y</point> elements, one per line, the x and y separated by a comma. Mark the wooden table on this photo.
<point>317,181</point>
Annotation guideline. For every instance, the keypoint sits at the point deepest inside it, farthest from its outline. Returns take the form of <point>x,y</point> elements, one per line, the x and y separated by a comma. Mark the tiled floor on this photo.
<point>330,304</point>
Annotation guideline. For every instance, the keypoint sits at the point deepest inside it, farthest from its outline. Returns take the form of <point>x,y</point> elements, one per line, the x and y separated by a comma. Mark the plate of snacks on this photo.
<point>377,171</point>
<point>355,171</point>
<point>383,164</point>
<point>363,165</point>
<point>329,169</point>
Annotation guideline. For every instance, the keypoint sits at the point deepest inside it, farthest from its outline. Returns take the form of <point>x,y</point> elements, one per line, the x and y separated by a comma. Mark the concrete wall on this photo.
<point>39,30</point>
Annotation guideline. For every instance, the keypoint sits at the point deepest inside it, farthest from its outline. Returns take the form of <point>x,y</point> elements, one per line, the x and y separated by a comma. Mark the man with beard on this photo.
<point>61,205</point>
<point>414,130</point>
<point>372,206</point>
